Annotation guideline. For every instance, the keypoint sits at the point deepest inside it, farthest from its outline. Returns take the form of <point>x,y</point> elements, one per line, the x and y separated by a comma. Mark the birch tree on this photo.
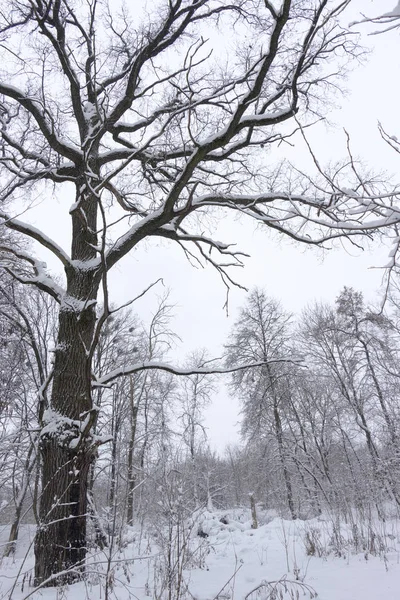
<point>139,128</point>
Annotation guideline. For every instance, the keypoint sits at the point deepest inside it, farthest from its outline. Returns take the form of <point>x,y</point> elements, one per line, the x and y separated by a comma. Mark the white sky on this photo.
<point>295,275</point>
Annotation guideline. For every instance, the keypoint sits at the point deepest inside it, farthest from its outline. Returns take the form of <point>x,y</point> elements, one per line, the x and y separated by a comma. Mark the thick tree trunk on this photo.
<point>67,453</point>
<point>66,442</point>
<point>60,544</point>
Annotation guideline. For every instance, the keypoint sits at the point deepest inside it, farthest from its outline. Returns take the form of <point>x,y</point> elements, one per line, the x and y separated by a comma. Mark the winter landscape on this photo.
<point>199,300</point>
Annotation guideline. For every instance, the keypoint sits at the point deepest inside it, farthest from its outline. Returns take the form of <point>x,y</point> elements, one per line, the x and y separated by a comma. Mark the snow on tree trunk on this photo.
<point>66,443</point>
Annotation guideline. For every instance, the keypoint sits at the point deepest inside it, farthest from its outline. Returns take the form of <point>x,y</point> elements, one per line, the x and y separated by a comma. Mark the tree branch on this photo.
<point>154,365</point>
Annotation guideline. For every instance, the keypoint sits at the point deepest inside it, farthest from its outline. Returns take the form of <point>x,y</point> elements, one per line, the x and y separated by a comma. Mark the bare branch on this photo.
<point>151,365</point>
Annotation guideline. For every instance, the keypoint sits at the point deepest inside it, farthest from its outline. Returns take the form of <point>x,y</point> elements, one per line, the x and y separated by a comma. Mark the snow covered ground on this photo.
<point>291,559</point>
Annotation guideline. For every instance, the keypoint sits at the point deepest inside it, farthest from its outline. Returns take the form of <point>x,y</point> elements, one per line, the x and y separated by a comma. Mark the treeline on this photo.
<point>320,416</point>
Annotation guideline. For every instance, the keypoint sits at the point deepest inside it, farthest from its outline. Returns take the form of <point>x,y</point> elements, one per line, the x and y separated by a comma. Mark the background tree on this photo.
<point>320,426</point>
<point>194,395</point>
<point>262,333</point>
<point>346,343</point>
<point>27,335</point>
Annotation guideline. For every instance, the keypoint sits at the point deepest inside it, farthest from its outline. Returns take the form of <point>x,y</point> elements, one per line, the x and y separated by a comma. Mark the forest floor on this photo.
<point>318,558</point>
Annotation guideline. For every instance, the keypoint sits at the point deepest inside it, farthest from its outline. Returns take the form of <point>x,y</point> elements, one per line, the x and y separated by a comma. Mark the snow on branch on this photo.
<point>37,235</point>
<point>39,278</point>
<point>391,19</point>
<point>154,365</point>
<point>35,108</point>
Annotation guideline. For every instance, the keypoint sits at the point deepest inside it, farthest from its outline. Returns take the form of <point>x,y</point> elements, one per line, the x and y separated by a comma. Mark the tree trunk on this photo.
<point>100,535</point>
<point>131,473</point>
<point>11,545</point>
<point>66,442</point>
<point>281,451</point>
<point>254,522</point>
<point>19,501</point>
<point>60,543</point>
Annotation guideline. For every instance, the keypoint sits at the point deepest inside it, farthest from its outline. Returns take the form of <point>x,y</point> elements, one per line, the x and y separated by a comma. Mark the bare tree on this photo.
<point>143,129</point>
<point>149,394</point>
<point>262,333</point>
<point>194,395</point>
<point>342,342</point>
<point>27,333</point>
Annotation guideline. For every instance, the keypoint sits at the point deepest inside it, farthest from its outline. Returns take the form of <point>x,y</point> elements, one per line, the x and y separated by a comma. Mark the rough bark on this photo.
<point>60,543</point>
<point>66,444</point>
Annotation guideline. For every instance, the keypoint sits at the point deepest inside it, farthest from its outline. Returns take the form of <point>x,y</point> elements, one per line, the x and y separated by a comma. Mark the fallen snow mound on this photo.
<point>219,556</point>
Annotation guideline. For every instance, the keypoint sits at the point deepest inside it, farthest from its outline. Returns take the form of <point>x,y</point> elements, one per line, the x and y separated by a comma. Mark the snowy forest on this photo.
<point>126,125</point>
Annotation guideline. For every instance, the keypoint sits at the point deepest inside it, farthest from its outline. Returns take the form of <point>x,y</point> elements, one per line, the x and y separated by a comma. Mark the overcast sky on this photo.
<point>295,275</point>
